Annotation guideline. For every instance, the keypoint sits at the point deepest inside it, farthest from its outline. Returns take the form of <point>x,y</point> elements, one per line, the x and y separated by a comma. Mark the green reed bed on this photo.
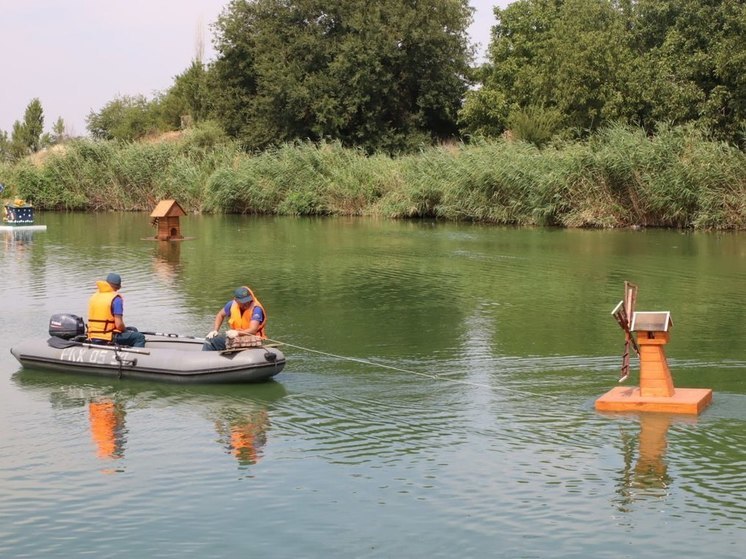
<point>620,177</point>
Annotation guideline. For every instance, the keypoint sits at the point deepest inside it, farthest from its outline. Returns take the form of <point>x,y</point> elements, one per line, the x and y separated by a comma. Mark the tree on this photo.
<point>19,142</point>
<point>58,131</point>
<point>381,75</point>
<point>188,96</point>
<point>564,56</point>
<point>597,61</point>
<point>26,136</point>
<point>5,151</point>
<point>691,64</point>
<point>33,125</point>
<point>485,113</point>
<point>125,118</point>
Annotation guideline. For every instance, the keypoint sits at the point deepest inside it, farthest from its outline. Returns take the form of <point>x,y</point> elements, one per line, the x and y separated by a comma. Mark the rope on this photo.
<point>409,371</point>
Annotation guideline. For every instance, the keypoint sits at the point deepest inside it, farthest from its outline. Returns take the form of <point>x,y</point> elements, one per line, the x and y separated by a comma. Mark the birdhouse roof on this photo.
<point>168,208</point>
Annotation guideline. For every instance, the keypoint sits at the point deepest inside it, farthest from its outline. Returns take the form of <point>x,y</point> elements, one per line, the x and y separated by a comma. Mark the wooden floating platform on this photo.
<point>683,400</point>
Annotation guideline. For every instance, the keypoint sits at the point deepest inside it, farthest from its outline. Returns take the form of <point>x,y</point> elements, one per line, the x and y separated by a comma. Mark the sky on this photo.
<point>77,55</point>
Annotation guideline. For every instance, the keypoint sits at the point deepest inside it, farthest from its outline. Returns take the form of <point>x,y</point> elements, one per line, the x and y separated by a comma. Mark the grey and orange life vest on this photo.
<point>101,324</point>
<point>240,321</point>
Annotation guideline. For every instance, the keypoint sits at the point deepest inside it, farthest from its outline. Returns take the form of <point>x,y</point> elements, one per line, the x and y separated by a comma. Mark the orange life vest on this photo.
<point>240,321</point>
<point>100,318</point>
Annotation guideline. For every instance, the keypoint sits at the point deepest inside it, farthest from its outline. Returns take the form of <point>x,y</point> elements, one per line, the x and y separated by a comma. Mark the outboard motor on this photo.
<point>66,326</point>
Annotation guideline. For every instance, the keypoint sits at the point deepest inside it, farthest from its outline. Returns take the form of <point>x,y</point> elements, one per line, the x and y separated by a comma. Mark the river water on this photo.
<point>437,400</point>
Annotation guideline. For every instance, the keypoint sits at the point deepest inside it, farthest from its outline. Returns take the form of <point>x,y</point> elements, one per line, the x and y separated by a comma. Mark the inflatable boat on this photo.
<point>165,357</point>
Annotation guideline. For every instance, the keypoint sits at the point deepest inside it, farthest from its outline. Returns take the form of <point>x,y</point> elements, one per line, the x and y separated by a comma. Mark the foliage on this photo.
<point>602,61</point>
<point>620,176</point>
<point>569,56</point>
<point>33,125</point>
<point>535,125</point>
<point>125,118</point>
<point>691,63</point>
<point>101,175</point>
<point>5,150</point>
<point>26,137</point>
<point>385,75</point>
<point>58,131</point>
<point>186,102</point>
<point>484,114</point>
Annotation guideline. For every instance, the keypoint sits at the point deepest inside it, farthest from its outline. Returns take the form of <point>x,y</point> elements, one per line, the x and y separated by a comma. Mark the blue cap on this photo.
<point>114,280</point>
<point>242,295</point>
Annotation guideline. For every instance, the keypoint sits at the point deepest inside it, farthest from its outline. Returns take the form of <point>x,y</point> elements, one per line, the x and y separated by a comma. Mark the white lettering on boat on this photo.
<point>74,354</point>
<point>83,355</point>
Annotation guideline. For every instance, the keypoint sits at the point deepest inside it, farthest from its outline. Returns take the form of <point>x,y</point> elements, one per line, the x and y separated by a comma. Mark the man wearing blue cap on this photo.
<point>106,316</point>
<point>246,317</point>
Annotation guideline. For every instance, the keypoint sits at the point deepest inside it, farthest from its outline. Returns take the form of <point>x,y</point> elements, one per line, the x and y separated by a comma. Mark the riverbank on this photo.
<point>618,178</point>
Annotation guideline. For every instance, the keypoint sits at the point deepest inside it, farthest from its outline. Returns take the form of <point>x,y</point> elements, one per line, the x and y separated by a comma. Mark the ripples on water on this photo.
<point>462,424</point>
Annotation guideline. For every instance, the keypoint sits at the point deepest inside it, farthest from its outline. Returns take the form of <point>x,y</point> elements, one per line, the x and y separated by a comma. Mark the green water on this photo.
<point>437,401</point>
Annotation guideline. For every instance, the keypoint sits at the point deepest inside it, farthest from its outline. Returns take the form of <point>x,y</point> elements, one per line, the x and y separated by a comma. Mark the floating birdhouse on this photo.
<point>648,332</point>
<point>166,220</point>
<point>19,212</point>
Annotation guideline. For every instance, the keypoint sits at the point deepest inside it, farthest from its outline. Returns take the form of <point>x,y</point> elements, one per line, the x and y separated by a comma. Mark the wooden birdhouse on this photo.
<point>166,220</point>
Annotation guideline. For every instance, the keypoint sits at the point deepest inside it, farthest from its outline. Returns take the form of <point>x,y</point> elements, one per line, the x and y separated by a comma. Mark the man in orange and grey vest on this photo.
<point>106,316</point>
<point>246,317</point>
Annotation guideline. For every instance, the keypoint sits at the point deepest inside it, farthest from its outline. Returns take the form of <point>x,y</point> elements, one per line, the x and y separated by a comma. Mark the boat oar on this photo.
<point>60,343</point>
<point>171,335</point>
<point>202,339</point>
<point>227,352</point>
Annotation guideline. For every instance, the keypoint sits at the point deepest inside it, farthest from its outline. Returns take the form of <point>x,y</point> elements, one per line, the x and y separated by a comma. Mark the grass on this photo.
<point>618,178</point>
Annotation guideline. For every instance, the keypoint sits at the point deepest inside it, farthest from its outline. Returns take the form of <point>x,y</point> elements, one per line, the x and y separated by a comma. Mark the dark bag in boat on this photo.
<point>241,342</point>
<point>66,326</point>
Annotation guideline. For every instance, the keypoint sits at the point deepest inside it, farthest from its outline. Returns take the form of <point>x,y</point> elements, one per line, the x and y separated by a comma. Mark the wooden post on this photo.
<point>655,376</point>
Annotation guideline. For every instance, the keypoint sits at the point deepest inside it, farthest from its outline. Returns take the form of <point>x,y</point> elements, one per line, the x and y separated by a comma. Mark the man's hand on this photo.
<point>211,335</point>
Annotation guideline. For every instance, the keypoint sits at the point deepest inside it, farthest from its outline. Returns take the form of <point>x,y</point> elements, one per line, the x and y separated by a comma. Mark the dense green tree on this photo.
<point>380,74</point>
<point>597,61</point>
<point>485,113</point>
<point>19,141</point>
<point>589,62</point>
<point>187,100</point>
<point>33,125</point>
<point>26,136</point>
<point>124,118</point>
<point>570,57</point>
<point>691,64</point>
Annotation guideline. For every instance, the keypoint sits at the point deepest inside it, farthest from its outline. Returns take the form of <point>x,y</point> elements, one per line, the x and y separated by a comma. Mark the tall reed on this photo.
<point>619,177</point>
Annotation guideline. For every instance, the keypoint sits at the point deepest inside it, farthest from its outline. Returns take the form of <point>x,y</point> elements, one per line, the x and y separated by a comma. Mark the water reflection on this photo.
<point>107,427</point>
<point>16,239</point>
<point>244,434</point>
<point>167,260</point>
<point>239,414</point>
<point>645,474</point>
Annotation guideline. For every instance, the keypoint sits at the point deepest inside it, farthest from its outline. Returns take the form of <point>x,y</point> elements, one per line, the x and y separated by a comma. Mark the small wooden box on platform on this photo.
<point>166,219</point>
<point>656,392</point>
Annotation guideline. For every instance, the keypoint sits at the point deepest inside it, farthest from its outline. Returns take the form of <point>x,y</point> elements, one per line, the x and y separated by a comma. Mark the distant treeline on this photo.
<point>619,177</point>
<point>390,76</point>
<point>314,107</point>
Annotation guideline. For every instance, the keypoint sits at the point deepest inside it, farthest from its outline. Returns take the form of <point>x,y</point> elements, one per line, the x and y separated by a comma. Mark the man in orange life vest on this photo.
<point>246,317</point>
<point>105,316</point>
